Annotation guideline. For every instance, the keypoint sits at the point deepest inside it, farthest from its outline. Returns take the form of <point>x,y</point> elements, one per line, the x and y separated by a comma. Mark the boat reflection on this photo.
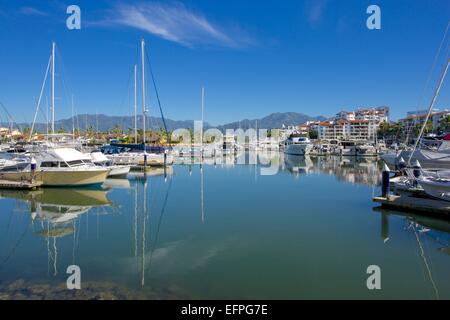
<point>55,213</point>
<point>428,233</point>
<point>298,164</point>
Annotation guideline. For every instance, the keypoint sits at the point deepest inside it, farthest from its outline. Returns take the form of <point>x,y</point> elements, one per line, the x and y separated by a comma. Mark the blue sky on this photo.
<point>253,57</point>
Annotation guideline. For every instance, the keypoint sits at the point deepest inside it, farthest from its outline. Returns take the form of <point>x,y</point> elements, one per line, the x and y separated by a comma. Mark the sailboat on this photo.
<point>140,158</point>
<point>434,184</point>
<point>55,165</point>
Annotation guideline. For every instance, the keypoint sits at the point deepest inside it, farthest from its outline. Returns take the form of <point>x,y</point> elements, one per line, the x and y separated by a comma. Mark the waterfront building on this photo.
<point>359,125</point>
<point>417,118</point>
<point>9,132</point>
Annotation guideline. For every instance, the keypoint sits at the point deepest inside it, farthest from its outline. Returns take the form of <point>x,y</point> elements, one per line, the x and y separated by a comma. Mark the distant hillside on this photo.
<point>274,120</point>
<point>107,123</point>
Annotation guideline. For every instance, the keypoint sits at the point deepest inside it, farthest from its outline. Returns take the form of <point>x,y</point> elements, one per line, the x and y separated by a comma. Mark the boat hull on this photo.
<point>118,171</point>
<point>439,190</point>
<point>60,178</point>
<point>427,159</point>
<point>298,149</point>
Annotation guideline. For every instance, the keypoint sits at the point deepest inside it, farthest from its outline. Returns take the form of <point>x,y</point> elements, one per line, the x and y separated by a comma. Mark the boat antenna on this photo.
<point>430,109</point>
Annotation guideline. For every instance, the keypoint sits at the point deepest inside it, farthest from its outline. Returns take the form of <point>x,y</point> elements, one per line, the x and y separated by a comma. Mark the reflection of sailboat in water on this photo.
<point>298,164</point>
<point>426,264</point>
<point>55,212</point>
<point>59,206</point>
<point>143,181</point>
<point>436,230</point>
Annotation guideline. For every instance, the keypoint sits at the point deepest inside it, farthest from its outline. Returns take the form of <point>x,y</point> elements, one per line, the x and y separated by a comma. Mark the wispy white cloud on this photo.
<point>316,11</point>
<point>174,22</point>
<point>30,11</point>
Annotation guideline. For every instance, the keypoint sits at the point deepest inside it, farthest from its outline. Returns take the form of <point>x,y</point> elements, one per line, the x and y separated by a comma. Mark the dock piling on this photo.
<point>385,176</point>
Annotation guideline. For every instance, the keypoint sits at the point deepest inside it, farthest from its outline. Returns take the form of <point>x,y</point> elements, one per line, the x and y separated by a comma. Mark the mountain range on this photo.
<point>105,123</point>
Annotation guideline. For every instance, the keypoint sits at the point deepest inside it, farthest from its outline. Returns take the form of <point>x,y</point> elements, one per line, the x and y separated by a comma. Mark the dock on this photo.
<point>409,202</point>
<point>23,185</point>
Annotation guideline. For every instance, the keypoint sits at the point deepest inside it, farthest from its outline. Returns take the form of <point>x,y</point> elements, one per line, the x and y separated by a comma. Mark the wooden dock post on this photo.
<point>385,182</point>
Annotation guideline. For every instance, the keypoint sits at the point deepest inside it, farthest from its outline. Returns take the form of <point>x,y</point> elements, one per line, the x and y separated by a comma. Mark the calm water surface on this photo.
<point>223,231</point>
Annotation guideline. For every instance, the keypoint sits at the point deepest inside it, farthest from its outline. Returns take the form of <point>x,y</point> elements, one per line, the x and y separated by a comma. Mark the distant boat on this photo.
<point>100,160</point>
<point>297,145</point>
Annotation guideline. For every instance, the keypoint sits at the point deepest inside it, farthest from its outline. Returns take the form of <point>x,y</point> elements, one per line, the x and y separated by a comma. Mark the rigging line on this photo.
<point>11,118</point>
<point>64,78</point>
<point>130,80</point>
<point>433,67</point>
<point>40,97</point>
<point>157,96</point>
<point>433,100</point>
<point>14,248</point>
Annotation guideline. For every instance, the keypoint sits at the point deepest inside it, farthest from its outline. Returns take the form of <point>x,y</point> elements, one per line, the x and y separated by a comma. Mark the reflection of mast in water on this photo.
<point>422,254</point>
<point>144,230</point>
<point>201,189</point>
<point>385,227</point>
<point>135,218</point>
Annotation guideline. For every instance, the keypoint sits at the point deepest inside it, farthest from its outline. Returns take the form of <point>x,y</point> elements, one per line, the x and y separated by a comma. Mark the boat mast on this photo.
<point>53,87</point>
<point>135,106</point>
<point>73,121</point>
<point>201,132</point>
<point>143,91</point>
<point>430,109</point>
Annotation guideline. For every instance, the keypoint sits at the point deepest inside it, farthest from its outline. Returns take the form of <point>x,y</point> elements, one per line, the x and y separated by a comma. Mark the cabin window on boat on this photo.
<point>49,164</point>
<point>75,163</point>
<point>63,165</point>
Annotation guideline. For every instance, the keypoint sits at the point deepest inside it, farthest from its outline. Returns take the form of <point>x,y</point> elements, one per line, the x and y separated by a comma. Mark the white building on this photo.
<point>417,118</point>
<point>353,130</point>
<point>361,124</point>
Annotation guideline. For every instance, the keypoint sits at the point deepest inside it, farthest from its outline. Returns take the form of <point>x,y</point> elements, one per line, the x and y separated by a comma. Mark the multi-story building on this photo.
<point>378,114</point>
<point>361,124</point>
<point>417,118</point>
<point>345,115</point>
<point>347,130</point>
<point>306,127</point>
<point>8,132</point>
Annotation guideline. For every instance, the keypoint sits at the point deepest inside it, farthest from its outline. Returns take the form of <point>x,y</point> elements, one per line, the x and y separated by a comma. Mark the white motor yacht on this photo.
<point>59,167</point>
<point>297,145</point>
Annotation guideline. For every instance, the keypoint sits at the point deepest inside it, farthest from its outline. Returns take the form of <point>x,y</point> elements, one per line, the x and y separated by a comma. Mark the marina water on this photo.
<point>223,231</point>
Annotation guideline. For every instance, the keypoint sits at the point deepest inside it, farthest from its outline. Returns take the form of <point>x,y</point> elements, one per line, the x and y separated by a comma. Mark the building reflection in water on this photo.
<point>355,170</point>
